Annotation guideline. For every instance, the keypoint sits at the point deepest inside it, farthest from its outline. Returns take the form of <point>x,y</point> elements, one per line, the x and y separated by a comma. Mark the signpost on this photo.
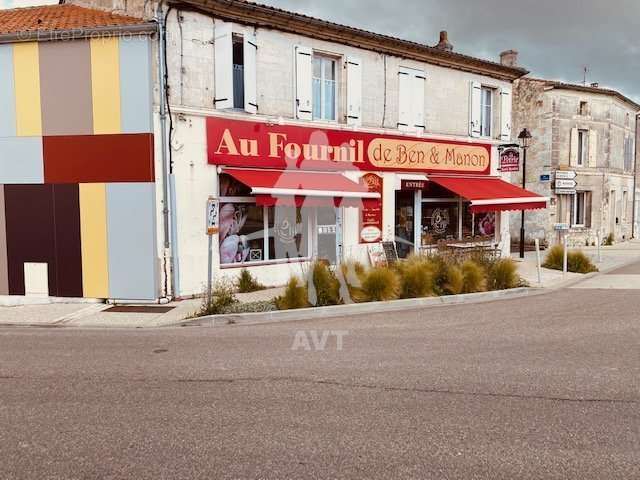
<point>213,210</point>
<point>565,183</point>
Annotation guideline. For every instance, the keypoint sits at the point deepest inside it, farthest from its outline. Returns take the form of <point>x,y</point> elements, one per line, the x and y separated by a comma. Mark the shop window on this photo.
<point>486,111</point>
<point>439,222</point>
<point>241,233</point>
<point>251,233</point>
<point>478,225</point>
<point>324,88</point>
<point>288,233</point>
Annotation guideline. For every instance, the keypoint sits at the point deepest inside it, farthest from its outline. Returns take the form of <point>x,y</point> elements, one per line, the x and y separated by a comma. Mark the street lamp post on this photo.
<point>525,139</point>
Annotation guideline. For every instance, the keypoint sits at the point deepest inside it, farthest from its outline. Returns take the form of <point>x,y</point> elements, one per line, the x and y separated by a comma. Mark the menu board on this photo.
<point>383,254</point>
<point>390,252</point>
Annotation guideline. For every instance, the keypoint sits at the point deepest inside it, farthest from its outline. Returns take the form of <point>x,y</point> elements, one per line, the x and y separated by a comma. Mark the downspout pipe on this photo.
<point>162,80</point>
<point>635,178</point>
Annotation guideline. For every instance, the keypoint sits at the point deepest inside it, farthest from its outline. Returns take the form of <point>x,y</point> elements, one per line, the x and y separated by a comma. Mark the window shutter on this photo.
<point>250,66</point>
<point>573,151</point>
<point>418,81</point>
<point>354,91</point>
<point>505,114</point>
<point>304,83</point>
<point>587,209</point>
<point>593,148</point>
<point>404,99</point>
<point>475,108</point>
<point>223,65</point>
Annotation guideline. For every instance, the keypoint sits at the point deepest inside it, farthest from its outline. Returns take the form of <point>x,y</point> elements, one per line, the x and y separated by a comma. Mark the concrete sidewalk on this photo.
<point>97,314</point>
<point>610,258</point>
<point>89,315</point>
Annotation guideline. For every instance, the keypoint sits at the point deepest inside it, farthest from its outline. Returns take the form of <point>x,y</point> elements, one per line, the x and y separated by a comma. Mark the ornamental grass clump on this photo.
<point>295,295</point>
<point>380,284</point>
<point>326,287</point>
<point>416,278</point>
<point>554,258</point>
<point>222,298</point>
<point>503,275</point>
<point>247,283</point>
<point>353,273</point>
<point>577,261</point>
<point>454,283</point>
<point>474,277</point>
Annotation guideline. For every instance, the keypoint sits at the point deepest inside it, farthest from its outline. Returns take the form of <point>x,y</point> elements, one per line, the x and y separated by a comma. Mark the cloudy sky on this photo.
<point>556,38</point>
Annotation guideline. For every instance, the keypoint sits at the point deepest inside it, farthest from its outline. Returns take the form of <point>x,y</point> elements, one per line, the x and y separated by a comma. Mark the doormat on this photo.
<point>138,309</point>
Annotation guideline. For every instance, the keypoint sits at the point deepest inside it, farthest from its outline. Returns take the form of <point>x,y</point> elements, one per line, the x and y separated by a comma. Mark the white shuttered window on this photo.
<point>354,91</point>
<point>304,94</point>
<point>411,99</point>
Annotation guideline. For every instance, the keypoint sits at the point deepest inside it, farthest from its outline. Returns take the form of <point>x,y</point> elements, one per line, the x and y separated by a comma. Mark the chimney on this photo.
<point>444,42</point>
<point>509,58</point>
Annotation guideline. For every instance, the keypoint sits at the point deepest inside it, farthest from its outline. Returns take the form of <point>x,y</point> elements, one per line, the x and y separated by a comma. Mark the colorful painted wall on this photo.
<point>77,193</point>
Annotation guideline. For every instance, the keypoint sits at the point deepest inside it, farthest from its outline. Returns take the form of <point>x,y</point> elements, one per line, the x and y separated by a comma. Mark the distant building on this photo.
<point>583,129</point>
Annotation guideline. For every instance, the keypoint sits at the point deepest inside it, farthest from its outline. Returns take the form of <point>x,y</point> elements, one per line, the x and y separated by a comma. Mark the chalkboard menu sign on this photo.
<point>390,252</point>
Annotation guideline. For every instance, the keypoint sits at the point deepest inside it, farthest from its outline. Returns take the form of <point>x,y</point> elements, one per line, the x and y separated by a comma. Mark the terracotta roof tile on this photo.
<point>59,17</point>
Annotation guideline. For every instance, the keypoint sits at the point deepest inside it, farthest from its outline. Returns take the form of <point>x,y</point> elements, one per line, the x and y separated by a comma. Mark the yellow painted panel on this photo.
<point>26,64</point>
<point>105,84</point>
<point>93,231</point>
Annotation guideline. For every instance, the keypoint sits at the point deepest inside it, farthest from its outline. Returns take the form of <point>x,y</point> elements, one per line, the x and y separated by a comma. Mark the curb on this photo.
<point>317,313</point>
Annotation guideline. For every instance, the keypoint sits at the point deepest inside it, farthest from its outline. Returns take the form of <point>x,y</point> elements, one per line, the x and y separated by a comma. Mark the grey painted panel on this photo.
<point>65,88</point>
<point>135,85</point>
<point>4,266</point>
<point>131,236</point>
<point>7,93</point>
<point>21,160</point>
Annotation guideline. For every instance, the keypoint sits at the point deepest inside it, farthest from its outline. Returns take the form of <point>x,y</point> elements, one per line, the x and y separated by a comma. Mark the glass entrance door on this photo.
<point>405,222</point>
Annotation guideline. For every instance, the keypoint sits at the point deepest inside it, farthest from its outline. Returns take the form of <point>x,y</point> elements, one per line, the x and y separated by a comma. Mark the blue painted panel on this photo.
<point>135,85</point>
<point>21,160</point>
<point>131,237</point>
<point>7,93</point>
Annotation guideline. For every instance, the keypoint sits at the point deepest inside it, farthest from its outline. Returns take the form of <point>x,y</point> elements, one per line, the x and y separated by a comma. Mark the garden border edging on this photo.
<point>314,313</point>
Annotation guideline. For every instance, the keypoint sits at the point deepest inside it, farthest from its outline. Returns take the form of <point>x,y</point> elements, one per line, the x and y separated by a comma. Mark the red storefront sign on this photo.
<point>241,143</point>
<point>371,212</point>
<point>413,184</point>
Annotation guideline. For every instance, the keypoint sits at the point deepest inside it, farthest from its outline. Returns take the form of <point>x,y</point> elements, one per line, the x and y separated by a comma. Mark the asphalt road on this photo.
<point>539,387</point>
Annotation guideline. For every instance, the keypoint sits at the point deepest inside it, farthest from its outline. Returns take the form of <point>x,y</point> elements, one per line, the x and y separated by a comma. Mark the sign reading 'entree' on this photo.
<point>254,144</point>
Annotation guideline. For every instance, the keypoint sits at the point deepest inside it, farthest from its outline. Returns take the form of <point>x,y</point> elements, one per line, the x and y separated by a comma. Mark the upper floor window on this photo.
<point>324,88</point>
<point>411,99</point>
<point>235,55</point>
<point>486,111</point>
<point>583,135</point>
<point>238,72</point>
<point>583,109</point>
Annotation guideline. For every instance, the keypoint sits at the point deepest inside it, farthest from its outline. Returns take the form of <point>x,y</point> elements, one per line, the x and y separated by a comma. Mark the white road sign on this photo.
<point>565,174</point>
<point>565,191</point>
<point>560,183</point>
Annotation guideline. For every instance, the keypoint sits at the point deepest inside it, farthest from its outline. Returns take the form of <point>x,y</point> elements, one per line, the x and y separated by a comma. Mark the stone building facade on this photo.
<point>583,129</point>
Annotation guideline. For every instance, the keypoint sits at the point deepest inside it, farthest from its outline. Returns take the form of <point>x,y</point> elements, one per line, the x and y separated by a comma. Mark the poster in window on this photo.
<point>241,233</point>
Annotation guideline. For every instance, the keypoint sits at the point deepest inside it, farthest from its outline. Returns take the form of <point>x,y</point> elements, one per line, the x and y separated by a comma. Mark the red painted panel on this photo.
<point>66,210</point>
<point>98,158</point>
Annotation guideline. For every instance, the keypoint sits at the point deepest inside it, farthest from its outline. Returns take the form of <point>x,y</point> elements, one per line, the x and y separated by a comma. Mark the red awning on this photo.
<point>313,189</point>
<point>490,194</point>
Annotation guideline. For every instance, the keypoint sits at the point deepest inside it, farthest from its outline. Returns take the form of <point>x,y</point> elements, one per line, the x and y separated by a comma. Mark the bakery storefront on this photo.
<point>291,193</point>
